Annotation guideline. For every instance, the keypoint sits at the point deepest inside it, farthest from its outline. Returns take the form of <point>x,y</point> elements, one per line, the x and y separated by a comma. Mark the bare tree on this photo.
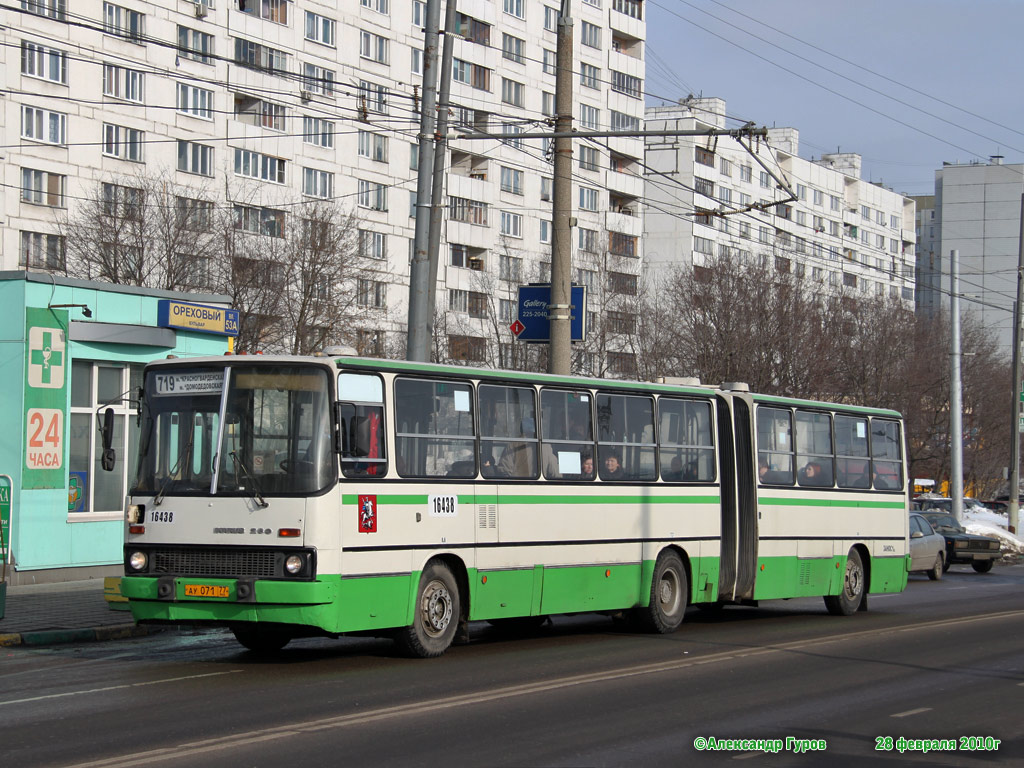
<point>144,230</point>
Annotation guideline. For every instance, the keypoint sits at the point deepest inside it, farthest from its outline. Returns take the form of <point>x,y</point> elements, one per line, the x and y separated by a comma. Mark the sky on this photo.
<point>919,82</point>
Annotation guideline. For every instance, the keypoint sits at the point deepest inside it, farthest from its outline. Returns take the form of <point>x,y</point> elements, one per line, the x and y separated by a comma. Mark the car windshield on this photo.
<point>944,523</point>
<point>276,435</point>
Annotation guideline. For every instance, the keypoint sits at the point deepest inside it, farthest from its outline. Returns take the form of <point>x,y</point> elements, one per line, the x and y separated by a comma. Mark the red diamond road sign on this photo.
<point>517,328</point>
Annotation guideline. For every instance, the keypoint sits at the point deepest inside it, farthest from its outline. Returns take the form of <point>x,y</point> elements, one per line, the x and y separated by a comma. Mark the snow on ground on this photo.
<point>985,522</point>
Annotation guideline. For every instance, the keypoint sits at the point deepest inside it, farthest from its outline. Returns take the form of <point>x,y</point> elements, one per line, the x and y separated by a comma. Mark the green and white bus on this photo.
<point>286,497</point>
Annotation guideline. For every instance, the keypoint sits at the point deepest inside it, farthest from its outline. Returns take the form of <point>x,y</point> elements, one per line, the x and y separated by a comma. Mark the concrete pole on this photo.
<point>440,157</point>
<point>1013,508</point>
<point>560,349</point>
<point>956,430</point>
<point>418,344</point>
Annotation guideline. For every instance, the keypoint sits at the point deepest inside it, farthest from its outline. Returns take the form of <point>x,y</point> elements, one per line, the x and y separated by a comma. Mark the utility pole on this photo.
<point>418,344</point>
<point>440,157</point>
<point>1013,494</point>
<point>956,431</point>
<point>560,349</point>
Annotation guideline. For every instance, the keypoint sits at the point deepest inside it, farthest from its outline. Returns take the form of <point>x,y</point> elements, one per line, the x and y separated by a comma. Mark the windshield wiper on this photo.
<point>256,492</point>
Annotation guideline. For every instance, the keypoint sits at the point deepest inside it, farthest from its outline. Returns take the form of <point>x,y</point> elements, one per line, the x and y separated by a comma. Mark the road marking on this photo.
<point>247,738</point>
<point>910,712</point>
<point>117,687</point>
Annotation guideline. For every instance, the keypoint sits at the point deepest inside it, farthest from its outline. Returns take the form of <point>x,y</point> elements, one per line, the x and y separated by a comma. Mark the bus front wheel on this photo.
<point>260,639</point>
<point>849,598</point>
<point>436,615</point>
<point>664,612</point>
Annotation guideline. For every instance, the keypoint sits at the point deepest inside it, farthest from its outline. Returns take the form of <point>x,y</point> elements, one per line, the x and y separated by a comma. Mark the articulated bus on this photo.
<point>287,497</point>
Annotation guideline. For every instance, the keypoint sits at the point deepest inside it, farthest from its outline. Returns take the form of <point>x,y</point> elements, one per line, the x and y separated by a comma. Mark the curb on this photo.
<point>60,636</point>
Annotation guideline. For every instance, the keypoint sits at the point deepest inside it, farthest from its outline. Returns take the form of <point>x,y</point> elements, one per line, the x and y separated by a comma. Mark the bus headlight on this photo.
<point>138,561</point>
<point>294,563</point>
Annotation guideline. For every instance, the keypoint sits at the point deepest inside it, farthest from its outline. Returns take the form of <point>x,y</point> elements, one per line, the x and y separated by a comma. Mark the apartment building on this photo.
<point>256,108</point>
<point>840,231</point>
<point>928,292</point>
<point>977,213</point>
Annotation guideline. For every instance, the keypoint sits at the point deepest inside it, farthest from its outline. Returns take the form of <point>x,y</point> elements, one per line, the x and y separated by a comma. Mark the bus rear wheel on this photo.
<point>849,598</point>
<point>669,589</point>
<point>436,616</point>
<point>260,639</point>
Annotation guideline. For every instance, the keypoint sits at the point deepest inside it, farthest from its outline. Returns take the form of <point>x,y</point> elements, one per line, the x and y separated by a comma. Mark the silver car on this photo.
<point>927,548</point>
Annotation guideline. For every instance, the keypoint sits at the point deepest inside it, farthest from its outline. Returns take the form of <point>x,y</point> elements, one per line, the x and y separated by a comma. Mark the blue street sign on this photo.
<point>533,312</point>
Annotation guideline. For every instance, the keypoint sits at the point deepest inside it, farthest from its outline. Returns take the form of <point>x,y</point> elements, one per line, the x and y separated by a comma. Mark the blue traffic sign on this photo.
<point>533,312</point>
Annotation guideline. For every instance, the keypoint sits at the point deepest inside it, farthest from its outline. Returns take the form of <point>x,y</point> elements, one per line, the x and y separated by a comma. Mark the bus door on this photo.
<point>738,558</point>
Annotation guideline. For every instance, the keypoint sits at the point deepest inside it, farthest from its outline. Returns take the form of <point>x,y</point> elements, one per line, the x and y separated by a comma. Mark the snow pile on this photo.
<point>985,522</point>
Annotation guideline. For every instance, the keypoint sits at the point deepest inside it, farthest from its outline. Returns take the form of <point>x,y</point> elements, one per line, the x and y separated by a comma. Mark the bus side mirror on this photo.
<point>109,457</point>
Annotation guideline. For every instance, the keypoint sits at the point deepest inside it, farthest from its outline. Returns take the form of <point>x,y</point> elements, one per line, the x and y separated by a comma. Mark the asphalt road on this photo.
<point>943,660</point>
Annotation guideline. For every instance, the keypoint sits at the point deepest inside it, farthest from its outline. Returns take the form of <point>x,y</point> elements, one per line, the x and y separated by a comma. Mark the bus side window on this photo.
<point>361,423</point>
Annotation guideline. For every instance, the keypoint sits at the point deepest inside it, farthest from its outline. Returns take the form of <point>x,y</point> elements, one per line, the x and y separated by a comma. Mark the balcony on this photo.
<point>626,183</point>
<point>621,222</point>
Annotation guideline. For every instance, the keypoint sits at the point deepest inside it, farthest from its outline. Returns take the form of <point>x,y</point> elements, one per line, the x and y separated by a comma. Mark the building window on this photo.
<point>746,173</point>
<point>370,343</point>
<point>271,10</point>
<point>473,30</point>
<point>380,6</point>
<point>195,45</point>
<point>470,349</point>
<point>373,146</point>
<point>194,101</point>
<point>545,231</point>
<point>513,8</point>
<point>590,159</point>
<point>467,211</point>
<point>512,92</point>
<point>587,240</point>
<point>510,268</point>
<point>258,56</point>
<point>122,83</point>
<point>316,79</point>
<point>588,199</point>
<point>550,18</point>
<point>590,35</point>
<point>316,183</point>
<point>624,122</point>
<point>371,293</point>
<point>195,158</point>
<point>124,143</point>
<point>632,8</point>
<point>40,250</point>
<point>42,187</point>
<point>321,29</point>
<point>123,22</point>
<point>121,202</point>
<point>373,47</point>
<point>549,63</point>
<point>620,244</point>
<point>259,221</point>
<point>194,214</point>
<point>511,224</point>
<point>51,9</point>
<point>621,322</point>
<point>45,63</point>
<point>372,195</point>
<point>589,117</point>
<point>43,125</point>
<point>622,363</point>
<point>512,48</point>
<point>256,165</point>
<point>590,76</point>
<point>628,84</point>
<point>471,74</point>
<point>372,245</point>
<point>317,131</point>
<point>419,13</point>
<point>511,180</point>
<point>373,97</point>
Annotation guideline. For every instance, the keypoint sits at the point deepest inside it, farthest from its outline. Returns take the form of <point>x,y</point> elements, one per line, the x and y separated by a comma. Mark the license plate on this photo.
<point>205,590</point>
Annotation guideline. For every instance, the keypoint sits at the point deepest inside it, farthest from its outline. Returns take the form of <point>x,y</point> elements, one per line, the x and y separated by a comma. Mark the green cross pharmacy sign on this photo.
<point>46,398</point>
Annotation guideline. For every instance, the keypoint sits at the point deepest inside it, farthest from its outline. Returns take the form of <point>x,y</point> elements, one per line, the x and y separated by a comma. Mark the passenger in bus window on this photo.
<point>613,467</point>
<point>762,470</point>
<point>884,482</point>
<point>814,474</point>
<point>587,467</point>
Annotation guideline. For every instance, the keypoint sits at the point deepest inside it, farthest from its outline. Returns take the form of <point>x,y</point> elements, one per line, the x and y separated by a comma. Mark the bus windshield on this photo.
<point>275,438</point>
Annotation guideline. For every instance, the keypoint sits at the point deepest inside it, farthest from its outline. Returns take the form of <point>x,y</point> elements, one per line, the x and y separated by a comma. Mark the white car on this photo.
<point>927,548</point>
